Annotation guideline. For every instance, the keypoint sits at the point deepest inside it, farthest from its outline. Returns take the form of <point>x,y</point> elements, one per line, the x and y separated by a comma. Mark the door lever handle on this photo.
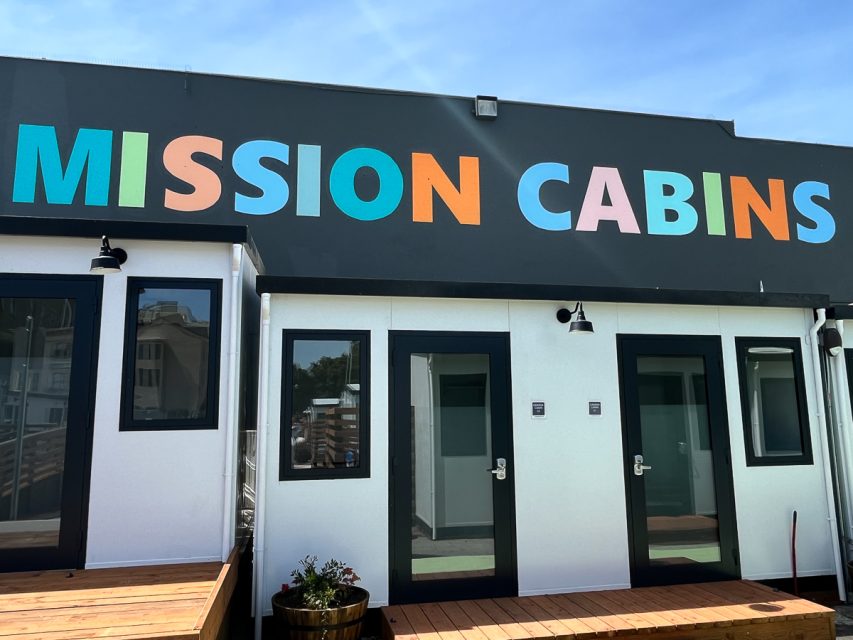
<point>500,469</point>
<point>639,467</point>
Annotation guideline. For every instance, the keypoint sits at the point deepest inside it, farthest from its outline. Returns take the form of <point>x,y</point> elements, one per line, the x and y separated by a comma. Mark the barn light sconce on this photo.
<point>832,342</point>
<point>580,324</point>
<point>486,107</point>
<point>109,260</point>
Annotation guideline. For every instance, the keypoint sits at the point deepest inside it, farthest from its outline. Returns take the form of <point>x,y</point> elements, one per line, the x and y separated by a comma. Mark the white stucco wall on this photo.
<point>155,496</point>
<point>569,489</point>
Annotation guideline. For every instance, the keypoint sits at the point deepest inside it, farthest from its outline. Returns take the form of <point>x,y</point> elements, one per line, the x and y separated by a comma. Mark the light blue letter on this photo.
<point>528,196</point>
<point>657,204</point>
<point>247,165</point>
<point>37,147</point>
<point>308,180</point>
<point>824,229</point>
<point>342,184</point>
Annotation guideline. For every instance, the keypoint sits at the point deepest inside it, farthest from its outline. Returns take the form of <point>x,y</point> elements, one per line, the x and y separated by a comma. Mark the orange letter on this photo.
<point>463,203</point>
<point>773,217</point>
<point>177,158</point>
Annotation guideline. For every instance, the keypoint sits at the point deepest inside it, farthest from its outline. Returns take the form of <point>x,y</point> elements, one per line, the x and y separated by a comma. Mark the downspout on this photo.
<point>843,409</point>
<point>824,451</point>
<point>261,469</point>
<point>229,490</point>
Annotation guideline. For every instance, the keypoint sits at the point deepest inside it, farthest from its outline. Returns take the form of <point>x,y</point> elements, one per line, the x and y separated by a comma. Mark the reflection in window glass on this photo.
<point>682,516</point>
<point>771,389</point>
<point>172,354</point>
<point>36,342</point>
<point>325,404</point>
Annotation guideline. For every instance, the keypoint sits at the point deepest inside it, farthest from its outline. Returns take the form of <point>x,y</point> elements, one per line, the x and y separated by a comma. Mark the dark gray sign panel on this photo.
<point>349,183</point>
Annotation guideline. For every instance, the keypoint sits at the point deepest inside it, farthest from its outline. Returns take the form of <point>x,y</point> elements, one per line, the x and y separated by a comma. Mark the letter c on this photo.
<point>531,207</point>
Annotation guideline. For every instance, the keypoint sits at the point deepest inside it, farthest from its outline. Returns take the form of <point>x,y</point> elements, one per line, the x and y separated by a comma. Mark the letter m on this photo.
<point>38,148</point>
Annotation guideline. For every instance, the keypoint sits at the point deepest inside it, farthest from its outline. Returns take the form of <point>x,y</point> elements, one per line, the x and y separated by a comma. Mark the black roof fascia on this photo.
<point>514,291</point>
<point>840,312</point>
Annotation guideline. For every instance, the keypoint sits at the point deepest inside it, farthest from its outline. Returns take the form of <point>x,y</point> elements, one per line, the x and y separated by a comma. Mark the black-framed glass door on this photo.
<point>681,510</point>
<point>48,332</point>
<point>452,496</point>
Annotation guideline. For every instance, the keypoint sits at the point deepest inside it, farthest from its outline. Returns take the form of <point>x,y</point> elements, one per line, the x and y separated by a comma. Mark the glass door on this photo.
<point>452,487</point>
<point>46,344</point>
<point>681,503</point>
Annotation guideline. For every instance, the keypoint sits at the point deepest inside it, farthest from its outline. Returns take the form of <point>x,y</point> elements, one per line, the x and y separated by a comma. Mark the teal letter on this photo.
<point>37,147</point>
<point>247,164</point>
<point>308,180</point>
<point>528,196</point>
<point>658,203</point>
<point>824,228</point>
<point>342,184</point>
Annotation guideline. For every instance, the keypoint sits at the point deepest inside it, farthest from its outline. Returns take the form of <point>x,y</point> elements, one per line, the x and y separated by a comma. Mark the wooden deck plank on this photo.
<point>682,615</point>
<point>733,607</point>
<point>462,621</point>
<point>555,624</point>
<point>533,625</point>
<point>736,610</point>
<point>713,605</point>
<point>601,627</point>
<point>159,632</point>
<point>509,625</point>
<point>73,618</point>
<point>624,598</point>
<point>640,624</point>
<point>154,574</point>
<point>440,622</point>
<point>209,620</point>
<point>580,628</point>
<point>482,621</point>
<point>620,626</point>
<point>108,598</point>
<point>396,622</point>
<point>420,623</point>
<point>790,606</point>
<point>177,602</point>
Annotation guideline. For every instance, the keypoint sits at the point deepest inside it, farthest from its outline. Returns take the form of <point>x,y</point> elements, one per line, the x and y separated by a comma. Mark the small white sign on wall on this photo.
<point>595,407</point>
<point>537,409</point>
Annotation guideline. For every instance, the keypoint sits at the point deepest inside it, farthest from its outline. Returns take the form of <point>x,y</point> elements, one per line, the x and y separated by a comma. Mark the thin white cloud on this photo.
<point>780,73</point>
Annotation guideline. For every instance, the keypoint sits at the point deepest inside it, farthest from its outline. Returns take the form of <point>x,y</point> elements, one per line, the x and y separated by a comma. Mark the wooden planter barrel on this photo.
<point>340,623</point>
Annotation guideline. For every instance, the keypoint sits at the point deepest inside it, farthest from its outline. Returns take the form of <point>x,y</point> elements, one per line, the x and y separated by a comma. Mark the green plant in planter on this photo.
<point>324,604</point>
<point>329,587</point>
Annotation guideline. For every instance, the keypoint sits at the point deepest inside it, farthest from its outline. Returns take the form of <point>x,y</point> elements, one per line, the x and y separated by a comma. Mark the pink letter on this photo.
<point>178,160</point>
<point>619,210</point>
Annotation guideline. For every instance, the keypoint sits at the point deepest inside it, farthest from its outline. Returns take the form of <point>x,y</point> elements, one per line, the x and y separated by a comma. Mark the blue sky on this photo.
<point>781,69</point>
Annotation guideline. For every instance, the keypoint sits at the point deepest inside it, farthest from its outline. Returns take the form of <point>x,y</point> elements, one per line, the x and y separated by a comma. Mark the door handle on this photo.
<point>500,469</point>
<point>639,467</point>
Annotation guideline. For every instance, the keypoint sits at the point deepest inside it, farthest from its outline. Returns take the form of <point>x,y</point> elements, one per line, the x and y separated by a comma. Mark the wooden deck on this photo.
<point>736,610</point>
<point>174,602</point>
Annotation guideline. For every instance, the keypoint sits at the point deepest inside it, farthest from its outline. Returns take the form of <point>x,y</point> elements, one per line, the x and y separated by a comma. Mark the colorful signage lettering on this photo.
<point>673,205</point>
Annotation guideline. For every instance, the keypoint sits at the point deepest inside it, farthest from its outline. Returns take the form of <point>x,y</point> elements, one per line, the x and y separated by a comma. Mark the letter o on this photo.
<point>342,184</point>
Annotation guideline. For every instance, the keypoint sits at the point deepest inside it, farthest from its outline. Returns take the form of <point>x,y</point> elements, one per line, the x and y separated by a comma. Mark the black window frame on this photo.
<point>211,421</point>
<point>285,470</point>
<point>742,346</point>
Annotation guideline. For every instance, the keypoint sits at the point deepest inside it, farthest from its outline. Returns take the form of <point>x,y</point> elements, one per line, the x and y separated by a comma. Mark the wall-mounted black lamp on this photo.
<point>580,325</point>
<point>832,342</point>
<point>486,107</point>
<point>109,260</point>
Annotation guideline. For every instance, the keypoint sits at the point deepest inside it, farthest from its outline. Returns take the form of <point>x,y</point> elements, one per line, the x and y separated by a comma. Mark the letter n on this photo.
<point>38,149</point>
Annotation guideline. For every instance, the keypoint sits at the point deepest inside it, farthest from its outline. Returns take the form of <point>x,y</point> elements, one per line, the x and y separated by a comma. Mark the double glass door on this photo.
<point>47,330</point>
<point>451,468</point>
<point>679,480</point>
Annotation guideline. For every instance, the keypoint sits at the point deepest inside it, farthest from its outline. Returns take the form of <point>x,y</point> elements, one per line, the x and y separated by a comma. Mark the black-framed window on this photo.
<point>171,354</point>
<point>325,405</point>
<point>773,401</point>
